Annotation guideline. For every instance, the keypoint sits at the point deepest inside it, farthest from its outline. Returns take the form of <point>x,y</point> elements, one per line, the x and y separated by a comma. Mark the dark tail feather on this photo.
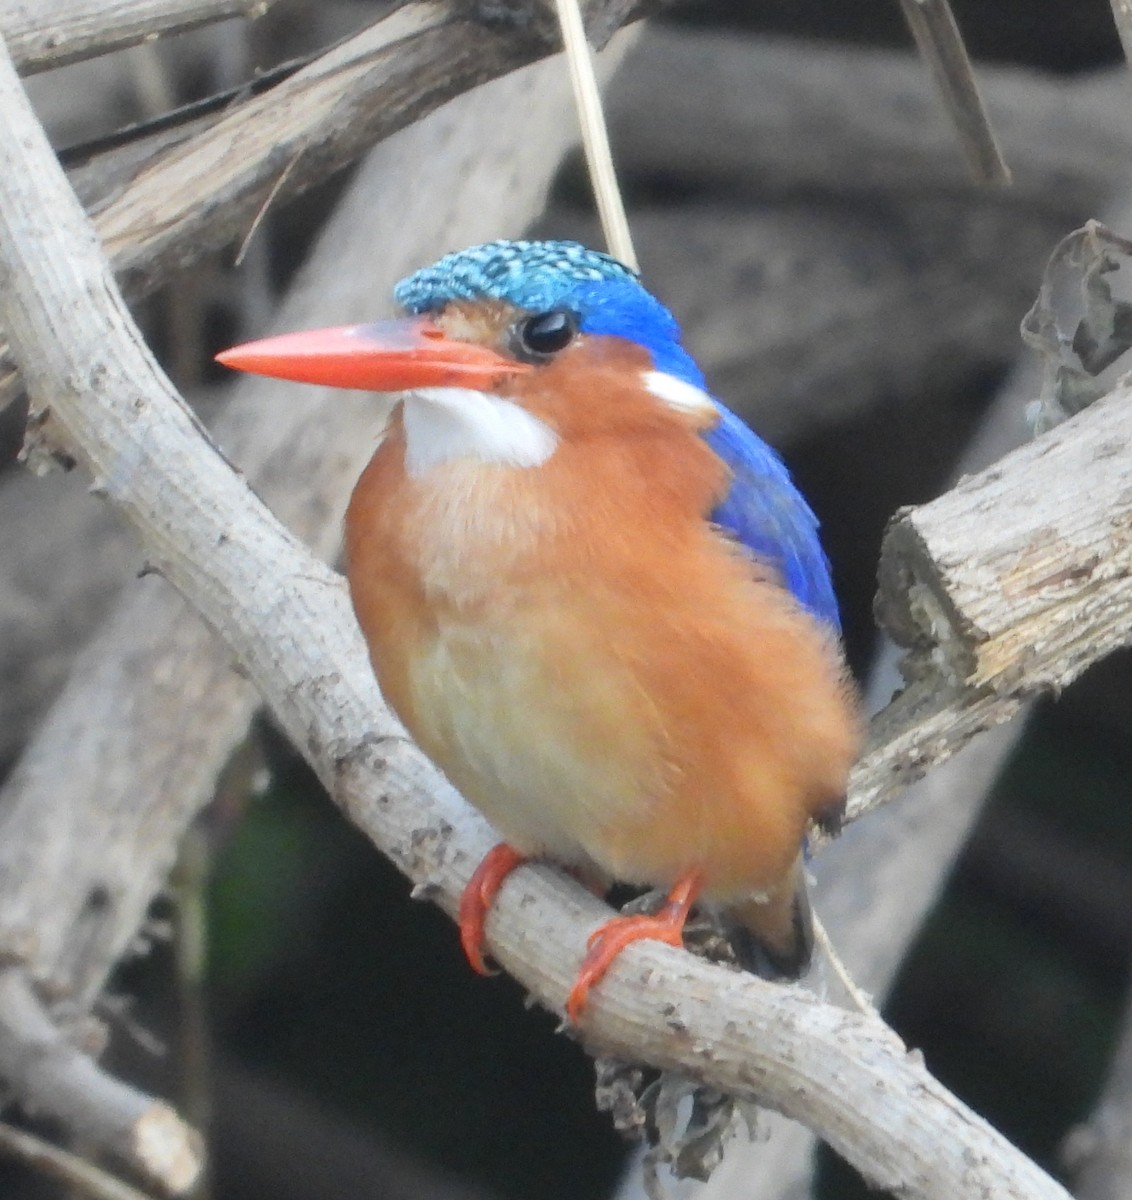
<point>774,937</point>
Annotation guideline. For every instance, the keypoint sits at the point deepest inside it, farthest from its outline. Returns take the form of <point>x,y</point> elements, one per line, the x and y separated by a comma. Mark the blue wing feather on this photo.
<point>767,513</point>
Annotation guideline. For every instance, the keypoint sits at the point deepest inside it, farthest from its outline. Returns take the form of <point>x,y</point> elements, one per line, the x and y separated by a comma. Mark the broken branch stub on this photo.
<point>1045,590</point>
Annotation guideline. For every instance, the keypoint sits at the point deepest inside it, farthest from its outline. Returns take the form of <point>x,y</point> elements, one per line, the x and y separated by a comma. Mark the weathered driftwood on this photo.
<point>843,1073</point>
<point>1005,588</point>
<point>49,33</point>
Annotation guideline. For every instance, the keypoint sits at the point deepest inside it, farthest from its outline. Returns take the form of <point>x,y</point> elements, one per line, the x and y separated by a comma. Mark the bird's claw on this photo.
<point>478,897</point>
<point>608,940</point>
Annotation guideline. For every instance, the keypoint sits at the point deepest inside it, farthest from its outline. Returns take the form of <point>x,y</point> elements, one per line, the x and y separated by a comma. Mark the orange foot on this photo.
<point>478,896</point>
<point>607,942</point>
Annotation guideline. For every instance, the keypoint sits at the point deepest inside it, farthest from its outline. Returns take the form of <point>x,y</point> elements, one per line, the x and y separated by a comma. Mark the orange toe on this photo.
<point>478,896</point>
<point>608,940</point>
<point>606,944</point>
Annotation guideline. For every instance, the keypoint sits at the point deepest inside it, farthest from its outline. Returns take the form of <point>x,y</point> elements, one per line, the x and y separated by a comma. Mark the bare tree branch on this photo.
<point>1047,588</point>
<point>51,1075</point>
<point>50,33</point>
<point>845,1075</point>
<point>1003,589</point>
<point>82,1177</point>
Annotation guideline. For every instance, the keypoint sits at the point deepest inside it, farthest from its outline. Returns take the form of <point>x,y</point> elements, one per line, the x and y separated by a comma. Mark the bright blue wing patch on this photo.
<point>767,513</point>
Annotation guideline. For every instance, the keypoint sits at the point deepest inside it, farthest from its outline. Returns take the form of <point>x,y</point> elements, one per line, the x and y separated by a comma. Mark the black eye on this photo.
<point>544,334</point>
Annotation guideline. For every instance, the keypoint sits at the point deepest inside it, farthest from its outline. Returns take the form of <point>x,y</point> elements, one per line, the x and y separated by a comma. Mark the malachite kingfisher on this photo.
<point>593,596</point>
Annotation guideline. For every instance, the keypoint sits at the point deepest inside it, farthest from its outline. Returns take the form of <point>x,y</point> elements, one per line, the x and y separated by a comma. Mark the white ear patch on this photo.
<point>445,424</point>
<point>678,393</point>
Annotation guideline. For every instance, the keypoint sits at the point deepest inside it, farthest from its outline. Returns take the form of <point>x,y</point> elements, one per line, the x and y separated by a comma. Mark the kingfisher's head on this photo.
<point>508,348</point>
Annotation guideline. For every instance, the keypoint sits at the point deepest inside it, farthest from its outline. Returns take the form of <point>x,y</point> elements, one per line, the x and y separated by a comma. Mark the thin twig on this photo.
<point>595,136</point>
<point>862,1001</point>
<point>938,38</point>
<point>261,212</point>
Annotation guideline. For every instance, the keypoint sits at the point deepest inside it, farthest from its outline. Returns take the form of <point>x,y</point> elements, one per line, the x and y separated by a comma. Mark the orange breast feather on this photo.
<point>593,666</point>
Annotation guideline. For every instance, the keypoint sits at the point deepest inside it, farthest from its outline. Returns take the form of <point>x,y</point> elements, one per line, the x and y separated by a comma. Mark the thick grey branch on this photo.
<point>1046,588</point>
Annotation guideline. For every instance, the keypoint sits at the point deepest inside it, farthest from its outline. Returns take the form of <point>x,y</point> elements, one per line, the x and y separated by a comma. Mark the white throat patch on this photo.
<point>445,424</point>
<point>678,393</point>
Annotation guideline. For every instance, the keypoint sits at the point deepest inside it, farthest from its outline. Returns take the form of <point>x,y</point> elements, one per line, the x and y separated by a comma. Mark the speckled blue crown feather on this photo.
<point>531,275</point>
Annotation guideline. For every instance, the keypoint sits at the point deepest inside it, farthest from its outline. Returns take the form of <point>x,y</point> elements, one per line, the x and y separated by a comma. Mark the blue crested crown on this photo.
<point>531,275</point>
<point>537,276</point>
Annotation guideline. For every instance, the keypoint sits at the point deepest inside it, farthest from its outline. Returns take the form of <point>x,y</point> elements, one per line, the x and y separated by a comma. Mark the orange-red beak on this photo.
<point>385,356</point>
